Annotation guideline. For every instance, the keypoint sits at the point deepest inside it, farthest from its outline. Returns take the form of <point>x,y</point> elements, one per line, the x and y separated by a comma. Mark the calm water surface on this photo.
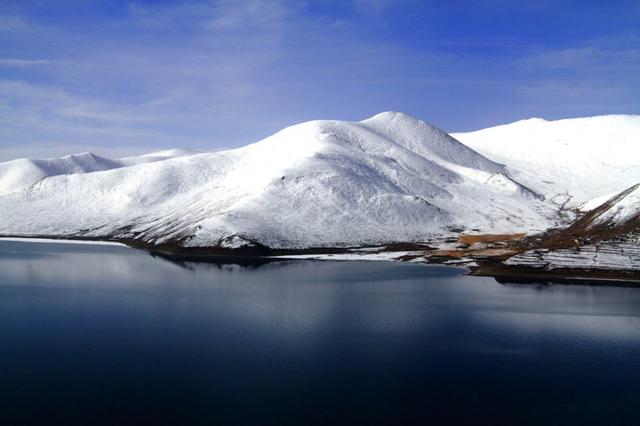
<point>110,335</point>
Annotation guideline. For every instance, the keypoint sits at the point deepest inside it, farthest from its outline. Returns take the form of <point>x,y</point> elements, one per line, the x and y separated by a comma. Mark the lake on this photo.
<point>94,334</point>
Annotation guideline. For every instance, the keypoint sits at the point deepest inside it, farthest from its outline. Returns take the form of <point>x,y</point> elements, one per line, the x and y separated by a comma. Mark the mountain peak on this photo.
<point>390,115</point>
<point>398,118</point>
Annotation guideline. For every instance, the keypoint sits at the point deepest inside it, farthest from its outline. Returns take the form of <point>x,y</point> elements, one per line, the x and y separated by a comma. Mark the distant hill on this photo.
<point>572,160</point>
<point>22,173</point>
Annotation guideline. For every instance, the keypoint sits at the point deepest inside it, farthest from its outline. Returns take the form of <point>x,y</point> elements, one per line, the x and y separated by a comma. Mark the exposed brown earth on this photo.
<point>489,238</point>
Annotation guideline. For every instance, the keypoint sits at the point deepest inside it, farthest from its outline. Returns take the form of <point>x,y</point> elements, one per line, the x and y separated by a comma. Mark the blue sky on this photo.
<point>125,77</point>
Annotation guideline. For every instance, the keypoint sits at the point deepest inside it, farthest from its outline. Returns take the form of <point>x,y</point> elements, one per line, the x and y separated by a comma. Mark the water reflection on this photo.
<point>280,342</point>
<point>300,295</point>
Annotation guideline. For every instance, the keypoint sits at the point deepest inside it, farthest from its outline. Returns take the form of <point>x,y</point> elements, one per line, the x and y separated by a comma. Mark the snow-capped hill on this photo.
<point>321,183</point>
<point>20,174</point>
<point>571,160</point>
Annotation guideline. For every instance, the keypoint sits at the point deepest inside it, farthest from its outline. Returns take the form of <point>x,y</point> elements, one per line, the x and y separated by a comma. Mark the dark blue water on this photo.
<point>110,335</point>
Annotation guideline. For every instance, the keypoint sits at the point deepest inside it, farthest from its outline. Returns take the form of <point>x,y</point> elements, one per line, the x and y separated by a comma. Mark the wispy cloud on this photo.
<point>47,102</point>
<point>596,76</point>
<point>376,7</point>
<point>12,23</point>
<point>250,15</point>
<point>554,89</point>
<point>169,15</point>
<point>36,114</point>
<point>584,58</point>
<point>13,62</point>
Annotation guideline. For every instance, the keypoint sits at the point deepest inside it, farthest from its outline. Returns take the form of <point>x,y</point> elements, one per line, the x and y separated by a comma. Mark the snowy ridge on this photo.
<point>614,219</point>
<point>621,208</point>
<point>570,161</point>
<point>322,183</point>
<point>20,174</point>
<point>596,202</point>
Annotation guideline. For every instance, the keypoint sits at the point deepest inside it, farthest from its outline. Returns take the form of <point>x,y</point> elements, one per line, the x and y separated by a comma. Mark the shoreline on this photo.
<point>476,262</point>
<point>528,275</point>
<point>49,240</point>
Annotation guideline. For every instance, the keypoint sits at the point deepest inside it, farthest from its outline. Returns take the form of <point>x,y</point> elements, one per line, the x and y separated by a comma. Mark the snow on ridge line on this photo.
<point>596,202</point>
<point>167,153</point>
<point>570,120</point>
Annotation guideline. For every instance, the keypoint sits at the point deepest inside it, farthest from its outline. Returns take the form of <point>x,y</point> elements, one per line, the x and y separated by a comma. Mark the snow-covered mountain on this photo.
<point>20,174</point>
<point>571,160</point>
<point>321,183</point>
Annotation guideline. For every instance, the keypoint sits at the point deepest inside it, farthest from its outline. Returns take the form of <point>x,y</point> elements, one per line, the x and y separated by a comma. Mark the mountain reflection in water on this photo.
<point>107,334</point>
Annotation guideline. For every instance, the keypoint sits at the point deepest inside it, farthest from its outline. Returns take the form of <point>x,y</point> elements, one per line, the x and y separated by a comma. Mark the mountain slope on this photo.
<point>616,219</point>
<point>606,238</point>
<point>321,183</point>
<point>571,160</point>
